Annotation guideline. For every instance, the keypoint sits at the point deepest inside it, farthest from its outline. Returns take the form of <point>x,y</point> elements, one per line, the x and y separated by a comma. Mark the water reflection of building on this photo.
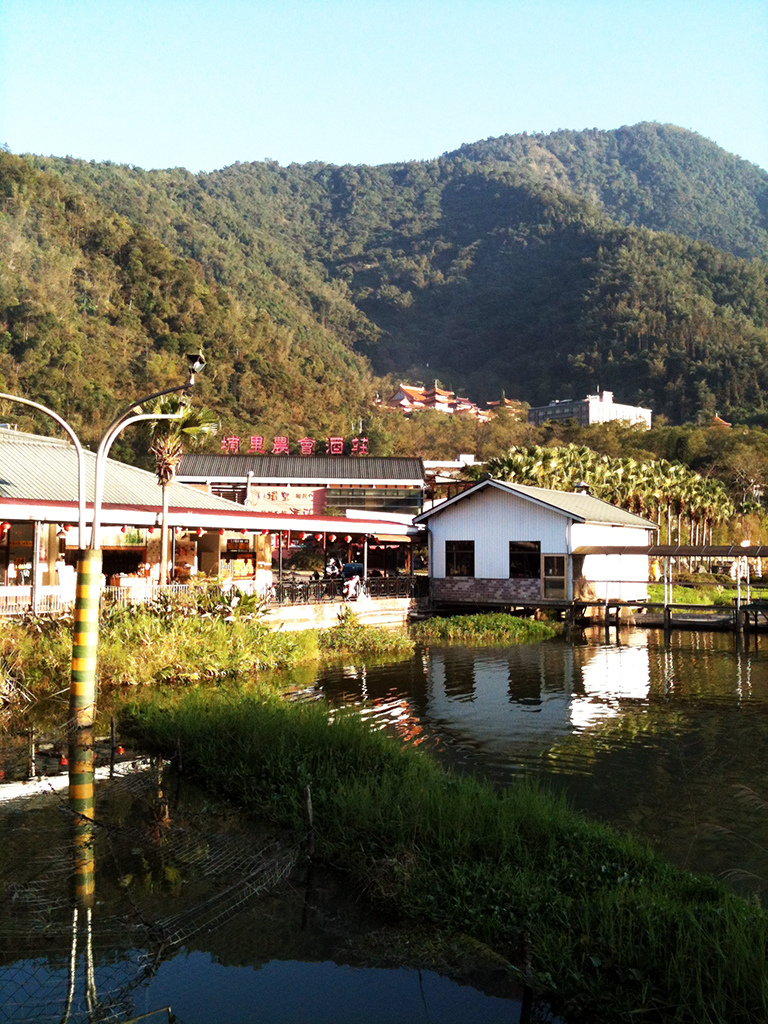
<point>523,699</point>
<point>611,674</point>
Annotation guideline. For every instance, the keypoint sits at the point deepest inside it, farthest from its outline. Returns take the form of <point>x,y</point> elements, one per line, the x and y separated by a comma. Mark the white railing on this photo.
<point>142,592</point>
<point>59,599</point>
<point>50,600</point>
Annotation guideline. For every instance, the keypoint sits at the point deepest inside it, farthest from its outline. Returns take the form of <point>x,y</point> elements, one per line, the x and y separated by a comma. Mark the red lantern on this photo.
<point>243,531</point>
<point>318,536</point>
<point>199,531</point>
<point>348,538</point>
<point>221,533</point>
<point>151,529</point>
<point>123,529</point>
<point>331,537</point>
<point>304,536</point>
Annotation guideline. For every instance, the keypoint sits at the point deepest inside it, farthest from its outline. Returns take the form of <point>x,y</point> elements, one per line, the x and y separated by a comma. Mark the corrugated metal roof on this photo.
<point>39,480</point>
<point>44,469</point>
<point>337,469</point>
<point>580,506</point>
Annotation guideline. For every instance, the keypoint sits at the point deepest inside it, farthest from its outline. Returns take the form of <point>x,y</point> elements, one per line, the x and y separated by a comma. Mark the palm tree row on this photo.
<point>686,506</point>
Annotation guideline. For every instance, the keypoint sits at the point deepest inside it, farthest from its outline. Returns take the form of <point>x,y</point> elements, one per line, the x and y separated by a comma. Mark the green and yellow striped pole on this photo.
<point>85,642</point>
<point>81,803</point>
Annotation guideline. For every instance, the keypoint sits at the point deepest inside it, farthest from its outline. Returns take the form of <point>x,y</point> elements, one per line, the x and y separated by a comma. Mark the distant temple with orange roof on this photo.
<point>413,397</point>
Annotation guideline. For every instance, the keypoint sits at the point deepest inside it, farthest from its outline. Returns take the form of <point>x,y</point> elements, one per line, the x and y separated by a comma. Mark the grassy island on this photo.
<point>490,629</point>
<point>601,927</point>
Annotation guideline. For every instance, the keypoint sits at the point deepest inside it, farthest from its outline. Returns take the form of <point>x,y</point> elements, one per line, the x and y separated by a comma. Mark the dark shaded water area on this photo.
<point>167,897</point>
<point>665,739</point>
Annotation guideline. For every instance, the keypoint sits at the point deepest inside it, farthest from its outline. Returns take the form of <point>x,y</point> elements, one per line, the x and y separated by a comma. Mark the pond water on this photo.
<point>665,739</point>
<point>166,898</point>
<point>194,907</point>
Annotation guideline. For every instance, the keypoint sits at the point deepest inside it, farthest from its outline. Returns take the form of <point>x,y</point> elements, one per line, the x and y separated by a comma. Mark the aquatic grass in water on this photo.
<point>169,644</point>
<point>139,645</point>
<point>613,932</point>
<point>488,629</point>
<point>351,637</point>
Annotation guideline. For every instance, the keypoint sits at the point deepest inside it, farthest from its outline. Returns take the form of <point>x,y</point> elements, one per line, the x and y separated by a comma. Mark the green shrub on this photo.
<point>489,629</point>
<point>351,637</point>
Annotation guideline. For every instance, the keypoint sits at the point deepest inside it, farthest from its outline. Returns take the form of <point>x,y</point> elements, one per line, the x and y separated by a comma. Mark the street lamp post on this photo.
<point>85,640</point>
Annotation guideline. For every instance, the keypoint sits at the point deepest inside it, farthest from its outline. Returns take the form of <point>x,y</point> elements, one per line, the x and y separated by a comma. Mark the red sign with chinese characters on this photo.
<point>233,444</point>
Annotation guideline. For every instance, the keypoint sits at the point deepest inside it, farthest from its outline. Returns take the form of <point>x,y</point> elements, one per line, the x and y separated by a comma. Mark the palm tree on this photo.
<point>167,447</point>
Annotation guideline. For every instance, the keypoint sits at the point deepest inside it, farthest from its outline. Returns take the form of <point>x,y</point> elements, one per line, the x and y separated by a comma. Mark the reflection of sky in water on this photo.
<point>283,992</point>
<point>201,990</point>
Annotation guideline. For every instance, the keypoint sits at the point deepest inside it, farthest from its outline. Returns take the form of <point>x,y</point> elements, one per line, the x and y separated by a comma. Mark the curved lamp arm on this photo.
<point>80,458</point>
<point>136,406</point>
<point>101,461</point>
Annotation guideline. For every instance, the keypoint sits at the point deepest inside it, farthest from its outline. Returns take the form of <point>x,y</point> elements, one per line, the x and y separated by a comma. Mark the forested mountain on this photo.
<point>656,176</point>
<point>545,266</point>
<point>95,309</point>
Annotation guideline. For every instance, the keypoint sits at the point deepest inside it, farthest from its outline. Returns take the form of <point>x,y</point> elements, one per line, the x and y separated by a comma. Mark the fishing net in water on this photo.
<point>167,863</point>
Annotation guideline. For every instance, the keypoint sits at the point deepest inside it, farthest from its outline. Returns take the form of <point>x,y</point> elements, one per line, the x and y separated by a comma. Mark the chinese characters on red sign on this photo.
<point>233,444</point>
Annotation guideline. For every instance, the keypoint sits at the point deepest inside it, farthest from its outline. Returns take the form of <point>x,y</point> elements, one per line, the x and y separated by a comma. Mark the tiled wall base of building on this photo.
<point>460,590</point>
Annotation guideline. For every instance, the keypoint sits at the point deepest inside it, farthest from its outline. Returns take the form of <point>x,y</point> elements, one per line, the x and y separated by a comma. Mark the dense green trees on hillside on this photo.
<point>531,264</point>
<point>656,176</point>
<point>94,307</point>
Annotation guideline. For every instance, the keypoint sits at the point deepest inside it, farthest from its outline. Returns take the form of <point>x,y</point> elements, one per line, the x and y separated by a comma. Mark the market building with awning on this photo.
<point>208,533</point>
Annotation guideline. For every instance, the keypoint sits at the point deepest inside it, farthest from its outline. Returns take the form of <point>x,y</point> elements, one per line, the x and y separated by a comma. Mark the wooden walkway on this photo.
<point>747,617</point>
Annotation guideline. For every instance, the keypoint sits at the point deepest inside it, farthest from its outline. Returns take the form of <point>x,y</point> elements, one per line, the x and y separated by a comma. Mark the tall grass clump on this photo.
<point>38,652</point>
<point>172,642</point>
<point>351,637</point>
<point>488,629</point>
<point>607,931</point>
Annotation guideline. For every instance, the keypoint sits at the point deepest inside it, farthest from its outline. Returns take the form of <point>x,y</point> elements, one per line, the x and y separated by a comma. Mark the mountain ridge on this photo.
<point>475,268</point>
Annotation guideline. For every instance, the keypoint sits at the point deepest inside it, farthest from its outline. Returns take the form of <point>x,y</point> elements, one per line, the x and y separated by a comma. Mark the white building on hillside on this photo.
<point>599,408</point>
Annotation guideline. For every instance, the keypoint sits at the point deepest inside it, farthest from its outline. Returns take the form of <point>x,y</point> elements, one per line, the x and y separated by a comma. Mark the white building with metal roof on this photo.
<point>508,544</point>
<point>309,484</point>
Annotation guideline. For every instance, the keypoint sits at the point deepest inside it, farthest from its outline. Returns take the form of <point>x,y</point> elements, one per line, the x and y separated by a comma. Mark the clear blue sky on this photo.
<point>201,84</point>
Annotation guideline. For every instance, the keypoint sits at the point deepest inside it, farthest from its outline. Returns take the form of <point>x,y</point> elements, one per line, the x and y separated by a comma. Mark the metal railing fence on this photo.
<point>18,601</point>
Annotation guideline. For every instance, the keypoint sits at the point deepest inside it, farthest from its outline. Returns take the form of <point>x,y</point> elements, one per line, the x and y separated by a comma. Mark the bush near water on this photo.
<point>495,628</point>
<point>205,636</point>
